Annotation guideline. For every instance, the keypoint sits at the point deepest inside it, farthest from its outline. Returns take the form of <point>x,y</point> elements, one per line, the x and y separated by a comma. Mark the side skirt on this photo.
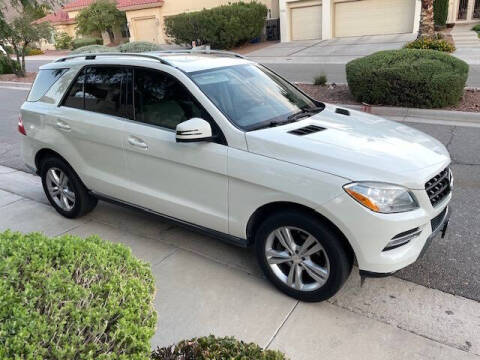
<point>185,224</point>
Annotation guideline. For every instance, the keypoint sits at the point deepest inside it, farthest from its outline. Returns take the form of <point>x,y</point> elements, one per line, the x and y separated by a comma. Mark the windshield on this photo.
<point>252,97</point>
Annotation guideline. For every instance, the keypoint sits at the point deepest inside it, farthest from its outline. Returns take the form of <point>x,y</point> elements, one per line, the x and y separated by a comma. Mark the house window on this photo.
<point>476,10</point>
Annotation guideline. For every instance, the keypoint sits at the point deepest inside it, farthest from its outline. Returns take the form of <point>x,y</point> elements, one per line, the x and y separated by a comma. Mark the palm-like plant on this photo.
<point>427,24</point>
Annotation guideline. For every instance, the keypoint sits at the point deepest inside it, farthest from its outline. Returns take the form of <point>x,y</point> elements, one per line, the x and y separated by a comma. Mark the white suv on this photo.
<point>223,145</point>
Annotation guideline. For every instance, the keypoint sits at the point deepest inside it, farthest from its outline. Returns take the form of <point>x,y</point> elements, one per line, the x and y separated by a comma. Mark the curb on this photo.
<point>15,83</point>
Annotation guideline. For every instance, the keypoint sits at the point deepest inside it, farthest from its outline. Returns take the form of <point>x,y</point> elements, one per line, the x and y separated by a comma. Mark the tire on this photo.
<point>78,201</point>
<point>322,273</point>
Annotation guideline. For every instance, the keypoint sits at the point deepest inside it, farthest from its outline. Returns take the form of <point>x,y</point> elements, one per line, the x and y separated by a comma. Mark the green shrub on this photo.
<point>215,348</point>
<point>475,28</point>
<point>408,77</point>
<point>73,298</point>
<point>80,42</point>
<point>440,12</point>
<point>63,41</point>
<point>7,66</point>
<point>138,47</point>
<point>222,27</point>
<point>431,43</point>
<point>320,80</point>
<point>91,49</point>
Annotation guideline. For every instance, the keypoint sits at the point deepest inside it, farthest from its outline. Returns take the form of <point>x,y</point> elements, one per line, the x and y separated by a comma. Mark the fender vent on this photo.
<point>342,111</point>
<point>310,129</point>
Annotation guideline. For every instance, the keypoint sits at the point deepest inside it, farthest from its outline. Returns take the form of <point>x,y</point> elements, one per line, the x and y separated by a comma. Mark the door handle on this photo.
<point>134,141</point>
<point>62,125</point>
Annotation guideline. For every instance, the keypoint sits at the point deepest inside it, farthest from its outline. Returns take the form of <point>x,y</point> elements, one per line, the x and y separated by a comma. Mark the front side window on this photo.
<point>162,100</point>
<point>252,97</point>
<point>44,81</point>
<point>100,89</point>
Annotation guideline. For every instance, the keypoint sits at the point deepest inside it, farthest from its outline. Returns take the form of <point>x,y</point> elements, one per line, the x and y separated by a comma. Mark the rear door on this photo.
<point>92,123</point>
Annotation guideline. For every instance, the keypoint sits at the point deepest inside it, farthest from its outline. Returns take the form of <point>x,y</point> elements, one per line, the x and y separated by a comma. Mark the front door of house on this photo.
<point>468,10</point>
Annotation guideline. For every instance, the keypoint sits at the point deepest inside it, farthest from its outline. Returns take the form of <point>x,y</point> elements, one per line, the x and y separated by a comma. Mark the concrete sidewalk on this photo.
<point>205,286</point>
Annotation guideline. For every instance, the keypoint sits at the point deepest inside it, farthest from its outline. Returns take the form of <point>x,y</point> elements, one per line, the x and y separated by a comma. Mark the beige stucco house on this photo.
<point>145,18</point>
<point>326,19</point>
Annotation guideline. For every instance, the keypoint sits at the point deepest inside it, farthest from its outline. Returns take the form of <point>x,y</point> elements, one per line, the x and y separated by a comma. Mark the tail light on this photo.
<point>21,128</point>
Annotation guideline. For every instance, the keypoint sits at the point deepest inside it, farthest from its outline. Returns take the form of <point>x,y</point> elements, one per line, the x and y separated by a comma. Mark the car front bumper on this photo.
<point>369,233</point>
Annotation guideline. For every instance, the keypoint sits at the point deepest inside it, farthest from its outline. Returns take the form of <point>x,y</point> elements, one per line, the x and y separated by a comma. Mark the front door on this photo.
<point>187,181</point>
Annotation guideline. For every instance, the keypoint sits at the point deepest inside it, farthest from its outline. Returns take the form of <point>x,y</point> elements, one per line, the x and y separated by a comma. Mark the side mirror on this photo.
<point>194,130</point>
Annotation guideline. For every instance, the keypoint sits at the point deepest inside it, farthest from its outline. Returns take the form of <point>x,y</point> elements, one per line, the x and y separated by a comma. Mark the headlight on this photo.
<point>382,198</point>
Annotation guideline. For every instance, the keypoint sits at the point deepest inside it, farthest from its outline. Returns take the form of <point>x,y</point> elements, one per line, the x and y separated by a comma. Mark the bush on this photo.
<point>91,49</point>
<point>431,43</point>
<point>215,348</point>
<point>222,27</point>
<point>408,77</point>
<point>63,41</point>
<point>7,66</point>
<point>32,52</point>
<point>475,28</point>
<point>73,298</point>
<point>80,42</point>
<point>440,12</point>
<point>320,80</point>
<point>138,47</point>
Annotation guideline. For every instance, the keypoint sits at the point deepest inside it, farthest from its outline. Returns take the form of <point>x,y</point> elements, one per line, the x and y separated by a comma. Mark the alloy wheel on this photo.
<point>60,189</point>
<point>297,258</point>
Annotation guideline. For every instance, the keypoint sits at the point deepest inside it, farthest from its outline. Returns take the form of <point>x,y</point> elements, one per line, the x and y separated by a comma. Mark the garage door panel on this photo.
<point>306,22</point>
<point>374,17</point>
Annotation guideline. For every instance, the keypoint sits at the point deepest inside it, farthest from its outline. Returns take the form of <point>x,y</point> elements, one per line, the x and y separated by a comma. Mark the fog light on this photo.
<point>402,239</point>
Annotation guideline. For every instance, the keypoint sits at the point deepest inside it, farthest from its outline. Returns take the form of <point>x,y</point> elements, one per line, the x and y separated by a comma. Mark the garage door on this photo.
<point>306,22</point>
<point>145,30</point>
<point>374,17</point>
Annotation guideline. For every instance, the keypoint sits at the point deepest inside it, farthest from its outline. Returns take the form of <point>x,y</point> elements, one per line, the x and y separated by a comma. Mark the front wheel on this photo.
<point>302,257</point>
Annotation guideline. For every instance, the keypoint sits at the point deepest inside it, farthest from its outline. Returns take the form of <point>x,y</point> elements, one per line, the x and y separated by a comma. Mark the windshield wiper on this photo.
<point>306,111</point>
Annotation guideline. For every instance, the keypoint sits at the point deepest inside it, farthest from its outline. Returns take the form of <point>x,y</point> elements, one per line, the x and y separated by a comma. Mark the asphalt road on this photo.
<point>304,72</point>
<point>451,264</point>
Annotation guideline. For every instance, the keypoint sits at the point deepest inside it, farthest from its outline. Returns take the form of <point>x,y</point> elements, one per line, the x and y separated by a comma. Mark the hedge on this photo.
<point>138,47</point>
<point>80,42</point>
<point>6,66</point>
<point>440,12</point>
<point>222,27</point>
<point>215,348</point>
<point>92,49</point>
<point>408,77</point>
<point>73,298</point>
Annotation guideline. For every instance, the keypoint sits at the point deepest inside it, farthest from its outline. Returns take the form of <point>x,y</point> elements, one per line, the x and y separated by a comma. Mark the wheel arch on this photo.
<point>269,209</point>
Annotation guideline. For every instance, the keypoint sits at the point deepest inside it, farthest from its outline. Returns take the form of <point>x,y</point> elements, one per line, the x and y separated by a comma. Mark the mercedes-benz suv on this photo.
<point>225,146</point>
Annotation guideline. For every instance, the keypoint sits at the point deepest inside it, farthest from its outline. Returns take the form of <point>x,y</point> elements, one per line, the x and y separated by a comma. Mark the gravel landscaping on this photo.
<point>340,94</point>
<point>12,77</point>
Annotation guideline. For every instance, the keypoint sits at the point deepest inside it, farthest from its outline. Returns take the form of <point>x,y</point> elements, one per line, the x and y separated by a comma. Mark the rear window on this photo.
<point>44,81</point>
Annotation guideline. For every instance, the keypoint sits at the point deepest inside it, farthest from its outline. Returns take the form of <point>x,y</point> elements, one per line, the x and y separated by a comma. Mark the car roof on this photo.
<point>185,60</point>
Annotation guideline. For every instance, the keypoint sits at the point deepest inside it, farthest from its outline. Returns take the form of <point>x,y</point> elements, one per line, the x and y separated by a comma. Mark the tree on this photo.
<point>100,16</point>
<point>22,32</point>
<point>427,24</point>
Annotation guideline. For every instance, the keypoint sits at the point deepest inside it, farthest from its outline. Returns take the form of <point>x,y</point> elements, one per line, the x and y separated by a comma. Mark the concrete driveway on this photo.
<point>335,51</point>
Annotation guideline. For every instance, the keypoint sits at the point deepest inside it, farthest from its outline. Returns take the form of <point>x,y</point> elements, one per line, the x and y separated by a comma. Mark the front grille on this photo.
<point>438,187</point>
<point>437,220</point>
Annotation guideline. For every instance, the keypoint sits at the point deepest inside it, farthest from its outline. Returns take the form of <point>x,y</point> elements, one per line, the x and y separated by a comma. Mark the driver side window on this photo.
<point>162,100</point>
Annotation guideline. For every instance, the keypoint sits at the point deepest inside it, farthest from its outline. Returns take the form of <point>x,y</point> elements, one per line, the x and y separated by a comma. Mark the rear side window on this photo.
<point>100,89</point>
<point>44,81</point>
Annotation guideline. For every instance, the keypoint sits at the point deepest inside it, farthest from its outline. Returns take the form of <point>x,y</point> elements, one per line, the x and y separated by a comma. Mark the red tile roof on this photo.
<point>79,4</point>
<point>59,16</point>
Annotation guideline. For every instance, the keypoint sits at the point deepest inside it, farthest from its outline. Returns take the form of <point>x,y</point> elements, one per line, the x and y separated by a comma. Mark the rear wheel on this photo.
<point>64,189</point>
<point>303,257</point>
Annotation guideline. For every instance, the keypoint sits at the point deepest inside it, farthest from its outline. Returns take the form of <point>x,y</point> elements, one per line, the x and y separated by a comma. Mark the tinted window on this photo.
<point>75,95</point>
<point>44,81</point>
<point>103,90</point>
<point>162,100</point>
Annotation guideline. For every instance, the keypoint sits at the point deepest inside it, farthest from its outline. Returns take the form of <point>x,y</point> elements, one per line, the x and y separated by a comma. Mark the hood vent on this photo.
<point>342,111</point>
<point>310,129</point>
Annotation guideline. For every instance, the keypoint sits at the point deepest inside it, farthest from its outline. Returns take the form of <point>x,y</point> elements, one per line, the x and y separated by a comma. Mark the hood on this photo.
<point>356,146</point>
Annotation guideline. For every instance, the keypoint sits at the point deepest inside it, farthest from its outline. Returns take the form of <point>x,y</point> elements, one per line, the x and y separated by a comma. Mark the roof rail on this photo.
<point>93,56</point>
<point>199,51</point>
